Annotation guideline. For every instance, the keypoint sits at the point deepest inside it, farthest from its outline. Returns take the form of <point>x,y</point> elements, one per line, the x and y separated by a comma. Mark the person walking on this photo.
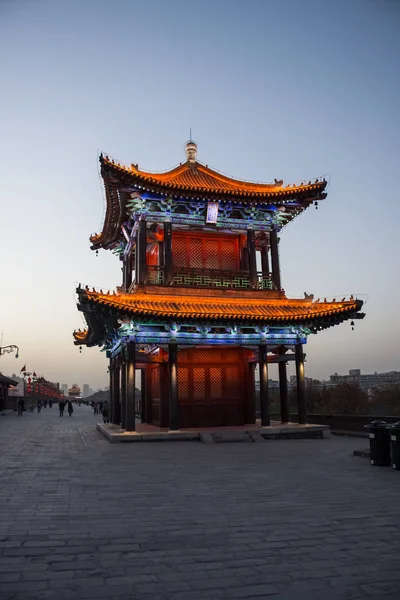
<point>70,408</point>
<point>21,406</point>
<point>61,406</point>
<point>39,405</point>
<point>105,411</point>
<point>45,403</point>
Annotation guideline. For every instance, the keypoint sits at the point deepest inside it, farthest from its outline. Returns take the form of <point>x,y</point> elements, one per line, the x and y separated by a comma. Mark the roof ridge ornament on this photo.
<point>191,151</point>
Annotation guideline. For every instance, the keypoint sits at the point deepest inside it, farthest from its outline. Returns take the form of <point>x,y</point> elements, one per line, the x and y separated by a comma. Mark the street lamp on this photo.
<point>9,349</point>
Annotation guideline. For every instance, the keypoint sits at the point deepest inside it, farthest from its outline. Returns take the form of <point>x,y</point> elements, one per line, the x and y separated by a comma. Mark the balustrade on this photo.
<point>209,278</point>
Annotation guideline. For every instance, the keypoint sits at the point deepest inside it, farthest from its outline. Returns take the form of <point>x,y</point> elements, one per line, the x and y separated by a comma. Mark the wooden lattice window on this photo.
<point>183,356</point>
<point>228,254</point>
<point>205,252</point>
<point>199,383</point>
<point>183,383</point>
<point>202,356</point>
<point>194,259</point>
<point>215,383</point>
<point>211,255</point>
<point>232,378</point>
<point>179,251</point>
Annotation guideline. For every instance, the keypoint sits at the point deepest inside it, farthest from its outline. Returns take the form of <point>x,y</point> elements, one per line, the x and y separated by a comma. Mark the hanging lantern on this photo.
<point>316,205</point>
<point>352,325</point>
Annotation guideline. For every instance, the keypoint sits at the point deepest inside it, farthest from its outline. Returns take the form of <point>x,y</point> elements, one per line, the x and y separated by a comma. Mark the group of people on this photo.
<point>39,404</point>
<point>61,407</point>
<point>101,408</point>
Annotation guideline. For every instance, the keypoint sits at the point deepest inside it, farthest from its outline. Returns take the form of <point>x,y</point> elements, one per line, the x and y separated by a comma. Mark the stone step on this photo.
<point>220,437</point>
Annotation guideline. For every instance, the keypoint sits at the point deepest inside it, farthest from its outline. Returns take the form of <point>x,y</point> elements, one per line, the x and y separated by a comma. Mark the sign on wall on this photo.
<point>212,212</point>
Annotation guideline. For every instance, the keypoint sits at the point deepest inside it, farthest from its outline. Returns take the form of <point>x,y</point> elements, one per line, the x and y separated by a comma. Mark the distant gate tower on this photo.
<point>74,393</point>
<point>201,300</point>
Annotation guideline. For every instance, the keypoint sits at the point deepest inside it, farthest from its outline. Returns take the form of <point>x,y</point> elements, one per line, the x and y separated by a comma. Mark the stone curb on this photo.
<point>115,435</point>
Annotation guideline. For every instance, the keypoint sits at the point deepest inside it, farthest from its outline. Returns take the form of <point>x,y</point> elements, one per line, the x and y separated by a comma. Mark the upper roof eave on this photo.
<point>201,179</point>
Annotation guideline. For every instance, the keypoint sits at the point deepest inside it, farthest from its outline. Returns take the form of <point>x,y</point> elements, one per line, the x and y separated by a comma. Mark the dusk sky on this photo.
<point>271,89</point>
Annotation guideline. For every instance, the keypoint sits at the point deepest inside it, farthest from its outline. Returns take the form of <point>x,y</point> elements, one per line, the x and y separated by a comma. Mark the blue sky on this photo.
<point>271,89</point>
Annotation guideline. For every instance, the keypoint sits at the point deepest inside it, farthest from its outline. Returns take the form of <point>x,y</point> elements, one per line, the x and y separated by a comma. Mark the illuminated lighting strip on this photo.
<point>182,219</point>
<point>237,204</point>
<point>199,339</point>
<point>204,329</point>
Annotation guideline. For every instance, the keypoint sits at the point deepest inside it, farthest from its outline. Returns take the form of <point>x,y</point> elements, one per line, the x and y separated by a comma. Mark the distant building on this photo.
<point>64,387</point>
<point>74,393</point>
<point>307,380</point>
<point>367,381</point>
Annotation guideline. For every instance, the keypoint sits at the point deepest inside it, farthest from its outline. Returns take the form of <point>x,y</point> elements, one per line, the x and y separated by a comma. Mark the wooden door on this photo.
<point>211,387</point>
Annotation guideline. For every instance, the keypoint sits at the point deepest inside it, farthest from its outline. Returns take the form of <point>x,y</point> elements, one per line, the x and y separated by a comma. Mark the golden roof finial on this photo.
<point>191,150</point>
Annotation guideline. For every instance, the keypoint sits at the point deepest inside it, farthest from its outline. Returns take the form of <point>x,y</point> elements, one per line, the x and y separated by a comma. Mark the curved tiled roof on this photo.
<point>268,310</point>
<point>196,177</point>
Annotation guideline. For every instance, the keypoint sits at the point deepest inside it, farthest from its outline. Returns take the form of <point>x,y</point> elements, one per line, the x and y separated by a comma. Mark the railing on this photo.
<point>209,278</point>
<point>155,275</point>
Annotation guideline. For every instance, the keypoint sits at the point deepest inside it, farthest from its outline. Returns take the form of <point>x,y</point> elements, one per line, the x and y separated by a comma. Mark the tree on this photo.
<point>388,398</point>
<point>344,399</point>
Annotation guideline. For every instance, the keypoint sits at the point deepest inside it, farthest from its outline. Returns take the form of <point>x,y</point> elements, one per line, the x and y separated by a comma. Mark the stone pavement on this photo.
<point>294,519</point>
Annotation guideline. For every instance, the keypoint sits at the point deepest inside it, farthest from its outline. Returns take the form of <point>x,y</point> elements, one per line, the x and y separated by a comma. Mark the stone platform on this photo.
<point>210,435</point>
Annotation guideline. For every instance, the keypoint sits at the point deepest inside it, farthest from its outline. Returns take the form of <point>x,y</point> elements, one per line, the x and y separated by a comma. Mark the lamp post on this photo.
<point>9,349</point>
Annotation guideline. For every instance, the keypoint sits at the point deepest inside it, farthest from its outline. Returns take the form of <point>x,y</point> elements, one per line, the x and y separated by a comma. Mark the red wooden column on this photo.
<point>130,418</point>
<point>264,391</point>
<point>141,252</point>
<point>148,399</point>
<point>276,273</point>
<point>168,267</point>
<point>143,396</point>
<point>111,398</point>
<point>116,412</point>
<point>173,387</point>
<point>301,389</point>
<point>251,248</point>
<point>265,264</point>
<point>123,392</point>
<point>283,387</point>
<point>264,260</point>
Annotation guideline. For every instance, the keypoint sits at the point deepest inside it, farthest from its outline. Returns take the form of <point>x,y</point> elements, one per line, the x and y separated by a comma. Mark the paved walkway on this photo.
<point>82,518</point>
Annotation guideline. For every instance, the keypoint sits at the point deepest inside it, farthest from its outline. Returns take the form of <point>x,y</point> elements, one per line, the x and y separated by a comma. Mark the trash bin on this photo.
<point>379,443</point>
<point>394,433</point>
